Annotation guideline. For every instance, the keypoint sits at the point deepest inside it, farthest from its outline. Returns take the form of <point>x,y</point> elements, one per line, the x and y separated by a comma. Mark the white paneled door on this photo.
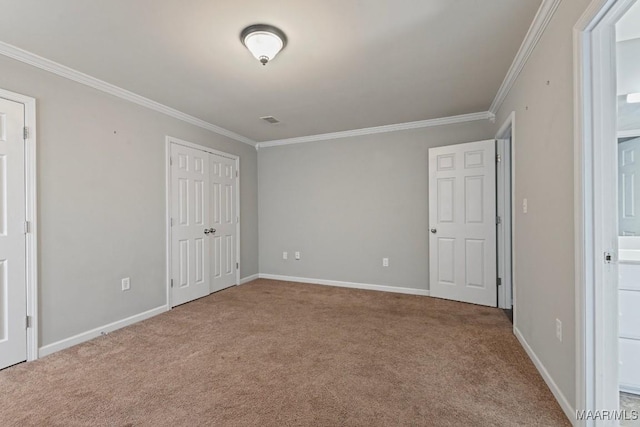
<point>190,192</point>
<point>462,222</point>
<point>224,219</point>
<point>204,223</point>
<point>13,303</point>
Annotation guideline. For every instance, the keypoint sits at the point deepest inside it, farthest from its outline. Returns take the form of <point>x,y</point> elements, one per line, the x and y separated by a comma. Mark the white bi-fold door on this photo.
<point>13,303</point>
<point>462,222</point>
<point>203,223</point>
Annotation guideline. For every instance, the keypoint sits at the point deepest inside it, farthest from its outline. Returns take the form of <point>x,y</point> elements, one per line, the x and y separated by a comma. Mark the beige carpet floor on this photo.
<point>284,354</point>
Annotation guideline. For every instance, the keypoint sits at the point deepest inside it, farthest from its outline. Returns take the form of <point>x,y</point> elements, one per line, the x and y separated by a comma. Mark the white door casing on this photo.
<point>223,219</point>
<point>13,301</point>
<point>190,247</point>
<point>462,215</point>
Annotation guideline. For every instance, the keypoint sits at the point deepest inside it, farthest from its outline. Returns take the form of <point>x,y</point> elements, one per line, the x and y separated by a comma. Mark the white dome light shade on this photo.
<point>263,41</point>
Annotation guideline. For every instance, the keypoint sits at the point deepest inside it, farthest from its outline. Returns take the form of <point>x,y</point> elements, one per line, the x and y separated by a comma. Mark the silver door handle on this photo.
<point>206,231</point>
<point>434,231</point>
<point>209,230</point>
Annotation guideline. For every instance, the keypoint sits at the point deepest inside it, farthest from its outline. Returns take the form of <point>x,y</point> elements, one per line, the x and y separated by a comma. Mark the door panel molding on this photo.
<point>169,140</point>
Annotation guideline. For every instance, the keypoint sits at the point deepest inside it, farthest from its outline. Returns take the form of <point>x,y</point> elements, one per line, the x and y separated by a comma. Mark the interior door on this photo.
<point>462,222</point>
<point>224,219</point>
<point>629,189</point>
<point>190,231</point>
<point>13,302</point>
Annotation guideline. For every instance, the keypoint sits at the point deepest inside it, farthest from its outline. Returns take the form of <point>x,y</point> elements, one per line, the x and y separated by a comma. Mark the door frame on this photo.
<point>31,236</point>
<point>507,295</point>
<point>172,140</point>
<point>595,192</point>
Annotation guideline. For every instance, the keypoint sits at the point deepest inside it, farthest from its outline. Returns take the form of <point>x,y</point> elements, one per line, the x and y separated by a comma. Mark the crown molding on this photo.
<point>87,80</point>
<point>539,24</point>
<point>485,115</point>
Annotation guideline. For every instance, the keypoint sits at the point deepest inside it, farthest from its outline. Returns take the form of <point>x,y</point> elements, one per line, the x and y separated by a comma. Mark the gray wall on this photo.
<point>347,203</point>
<point>544,248</point>
<point>101,201</point>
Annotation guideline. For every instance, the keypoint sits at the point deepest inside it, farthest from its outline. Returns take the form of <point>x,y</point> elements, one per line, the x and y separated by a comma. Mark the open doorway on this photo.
<point>607,47</point>
<point>628,142</point>
<point>504,219</point>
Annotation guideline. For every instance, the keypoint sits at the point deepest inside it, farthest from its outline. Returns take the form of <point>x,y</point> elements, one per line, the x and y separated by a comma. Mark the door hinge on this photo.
<point>236,173</point>
<point>27,322</point>
<point>608,258</point>
<point>172,222</point>
<point>170,161</point>
<point>237,265</point>
<point>25,132</point>
<point>27,227</point>
<point>499,281</point>
<point>498,158</point>
<point>498,220</point>
<point>172,283</point>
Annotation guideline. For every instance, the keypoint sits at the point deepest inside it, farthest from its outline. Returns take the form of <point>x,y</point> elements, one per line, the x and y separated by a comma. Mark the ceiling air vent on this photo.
<point>270,119</point>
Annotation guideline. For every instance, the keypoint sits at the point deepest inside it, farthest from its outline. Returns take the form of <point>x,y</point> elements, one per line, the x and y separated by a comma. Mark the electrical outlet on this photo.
<point>298,255</point>
<point>559,330</point>
<point>126,284</point>
<point>285,255</point>
<point>525,206</point>
<point>385,262</point>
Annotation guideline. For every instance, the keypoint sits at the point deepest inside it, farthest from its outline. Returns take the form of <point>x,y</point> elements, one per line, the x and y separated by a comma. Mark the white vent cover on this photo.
<point>270,119</point>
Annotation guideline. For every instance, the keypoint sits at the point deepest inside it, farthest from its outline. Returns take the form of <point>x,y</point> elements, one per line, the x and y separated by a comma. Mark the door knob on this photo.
<point>434,231</point>
<point>212,230</point>
<point>206,231</point>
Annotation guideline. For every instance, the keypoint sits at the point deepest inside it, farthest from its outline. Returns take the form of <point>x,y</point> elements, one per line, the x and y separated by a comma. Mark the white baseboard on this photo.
<point>633,389</point>
<point>94,333</point>
<point>569,411</point>
<point>410,291</point>
<point>249,278</point>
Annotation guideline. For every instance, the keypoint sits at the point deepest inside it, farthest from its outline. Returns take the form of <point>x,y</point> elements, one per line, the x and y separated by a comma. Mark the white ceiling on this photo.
<point>349,64</point>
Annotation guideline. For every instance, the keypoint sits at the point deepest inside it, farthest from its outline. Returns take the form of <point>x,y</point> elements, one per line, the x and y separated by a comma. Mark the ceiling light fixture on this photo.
<point>633,98</point>
<point>263,41</point>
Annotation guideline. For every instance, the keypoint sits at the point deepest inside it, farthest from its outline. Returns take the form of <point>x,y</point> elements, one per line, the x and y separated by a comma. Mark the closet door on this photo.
<point>224,219</point>
<point>190,231</point>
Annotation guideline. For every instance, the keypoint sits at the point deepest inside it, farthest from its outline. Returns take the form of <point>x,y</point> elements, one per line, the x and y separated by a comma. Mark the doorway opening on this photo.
<point>505,215</point>
<point>607,74</point>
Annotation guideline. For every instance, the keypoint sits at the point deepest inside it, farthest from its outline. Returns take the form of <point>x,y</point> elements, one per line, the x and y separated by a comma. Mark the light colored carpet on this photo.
<point>283,354</point>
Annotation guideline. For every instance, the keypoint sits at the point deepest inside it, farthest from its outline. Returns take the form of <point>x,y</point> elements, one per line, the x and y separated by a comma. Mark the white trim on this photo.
<point>630,389</point>
<point>353,285</point>
<point>87,80</point>
<point>94,333</point>
<point>249,279</point>
<point>485,115</point>
<point>539,24</point>
<point>568,410</point>
<point>31,198</point>
<point>508,129</point>
<point>172,140</point>
<point>628,133</point>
